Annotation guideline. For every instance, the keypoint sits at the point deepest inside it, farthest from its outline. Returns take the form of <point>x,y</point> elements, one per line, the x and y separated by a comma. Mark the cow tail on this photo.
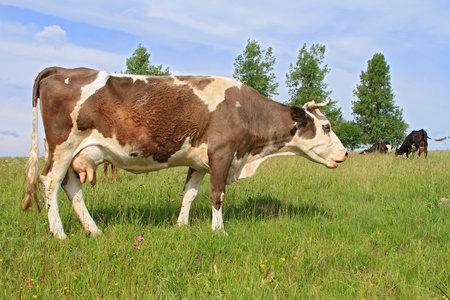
<point>32,166</point>
<point>438,140</point>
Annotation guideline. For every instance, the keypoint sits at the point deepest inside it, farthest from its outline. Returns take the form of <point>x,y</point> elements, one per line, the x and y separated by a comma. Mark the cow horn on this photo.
<point>312,105</point>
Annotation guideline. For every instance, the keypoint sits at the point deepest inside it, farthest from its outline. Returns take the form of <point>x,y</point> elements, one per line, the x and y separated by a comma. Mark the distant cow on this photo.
<point>418,140</point>
<point>382,147</point>
<point>141,123</point>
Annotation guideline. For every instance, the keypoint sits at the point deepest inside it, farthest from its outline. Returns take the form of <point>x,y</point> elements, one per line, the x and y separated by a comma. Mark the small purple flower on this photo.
<point>134,244</point>
<point>180,194</point>
<point>172,200</point>
<point>138,247</point>
<point>140,238</point>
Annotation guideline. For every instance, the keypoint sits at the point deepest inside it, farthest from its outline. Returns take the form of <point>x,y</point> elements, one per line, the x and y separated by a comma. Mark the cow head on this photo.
<point>313,136</point>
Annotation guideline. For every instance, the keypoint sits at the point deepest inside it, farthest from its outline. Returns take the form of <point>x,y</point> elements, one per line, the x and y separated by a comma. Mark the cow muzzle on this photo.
<point>333,163</point>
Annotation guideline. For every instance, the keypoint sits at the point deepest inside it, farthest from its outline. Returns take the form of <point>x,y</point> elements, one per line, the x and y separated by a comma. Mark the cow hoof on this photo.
<point>220,231</point>
<point>95,233</point>
<point>60,236</point>
<point>181,224</point>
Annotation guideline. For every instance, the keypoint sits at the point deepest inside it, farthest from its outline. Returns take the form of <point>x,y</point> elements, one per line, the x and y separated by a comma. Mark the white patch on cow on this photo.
<point>176,81</point>
<point>238,104</point>
<point>66,81</point>
<point>134,77</point>
<point>90,89</point>
<point>214,93</point>
<point>389,147</point>
<point>108,149</point>
<point>95,149</point>
<point>246,166</point>
<point>250,168</point>
<point>195,157</point>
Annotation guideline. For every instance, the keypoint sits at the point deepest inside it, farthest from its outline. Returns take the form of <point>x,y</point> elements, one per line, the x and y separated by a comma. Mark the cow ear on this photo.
<point>298,114</point>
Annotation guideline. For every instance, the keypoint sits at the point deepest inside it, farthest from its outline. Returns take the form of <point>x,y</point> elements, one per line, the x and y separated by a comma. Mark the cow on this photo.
<point>418,139</point>
<point>141,123</point>
<point>113,171</point>
<point>382,147</point>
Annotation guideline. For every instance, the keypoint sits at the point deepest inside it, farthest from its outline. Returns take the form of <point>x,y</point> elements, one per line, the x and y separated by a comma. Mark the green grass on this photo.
<point>375,228</point>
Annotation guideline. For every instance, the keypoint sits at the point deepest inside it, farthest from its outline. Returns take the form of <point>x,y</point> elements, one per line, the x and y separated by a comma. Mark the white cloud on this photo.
<point>52,34</point>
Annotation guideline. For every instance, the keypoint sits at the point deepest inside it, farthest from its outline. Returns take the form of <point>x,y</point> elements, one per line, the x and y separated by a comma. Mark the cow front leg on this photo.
<point>73,188</point>
<point>190,191</point>
<point>217,218</point>
<point>219,167</point>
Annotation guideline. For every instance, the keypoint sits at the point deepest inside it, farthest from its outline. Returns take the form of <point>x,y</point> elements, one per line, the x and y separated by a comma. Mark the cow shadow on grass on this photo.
<point>252,209</point>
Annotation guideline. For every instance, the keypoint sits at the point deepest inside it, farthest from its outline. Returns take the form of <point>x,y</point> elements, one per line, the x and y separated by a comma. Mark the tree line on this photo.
<point>376,117</point>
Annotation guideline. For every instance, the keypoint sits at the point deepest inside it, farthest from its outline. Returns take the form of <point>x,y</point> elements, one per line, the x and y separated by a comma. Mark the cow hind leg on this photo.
<point>105,171</point>
<point>73,188</point>
<point>190,191</point>
<point>50,186</point>
<point>114,172</point>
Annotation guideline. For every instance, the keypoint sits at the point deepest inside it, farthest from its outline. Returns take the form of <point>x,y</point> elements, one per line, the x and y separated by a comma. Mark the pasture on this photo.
<point>378,227</point>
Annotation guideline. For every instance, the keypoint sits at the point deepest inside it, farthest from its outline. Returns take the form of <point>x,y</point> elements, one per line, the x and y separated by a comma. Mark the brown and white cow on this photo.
<point>141,123</point>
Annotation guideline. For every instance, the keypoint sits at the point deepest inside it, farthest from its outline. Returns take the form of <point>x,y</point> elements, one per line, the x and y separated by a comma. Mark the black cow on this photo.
<point>382,147</point>
<point>418,139</point>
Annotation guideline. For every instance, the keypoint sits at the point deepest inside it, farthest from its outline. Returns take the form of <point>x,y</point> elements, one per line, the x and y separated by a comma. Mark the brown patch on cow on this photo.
<point>307,131</point>
<point>305,124</point>
<point>249,128</point>
<point>197,82</point>
<point>154,118</point>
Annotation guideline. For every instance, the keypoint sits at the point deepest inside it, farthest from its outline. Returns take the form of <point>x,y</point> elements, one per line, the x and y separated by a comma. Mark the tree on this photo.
<point>349,133</point>
<point>305,81</point>
<point>139,63</point>
<point>254,67</point>
<point>375,112</point>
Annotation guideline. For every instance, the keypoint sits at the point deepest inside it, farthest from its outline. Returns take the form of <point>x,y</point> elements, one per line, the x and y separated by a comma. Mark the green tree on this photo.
<point>305,81</point>
<point>375,112</point>
<point>139,63</point>
<point>349,133</point>
<point>254,67</point>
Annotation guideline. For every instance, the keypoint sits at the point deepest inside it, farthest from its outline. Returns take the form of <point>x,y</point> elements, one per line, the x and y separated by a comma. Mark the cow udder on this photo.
<point>85,164</point>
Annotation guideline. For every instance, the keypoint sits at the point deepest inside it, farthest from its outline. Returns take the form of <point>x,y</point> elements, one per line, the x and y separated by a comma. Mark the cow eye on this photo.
<point>326,128</point>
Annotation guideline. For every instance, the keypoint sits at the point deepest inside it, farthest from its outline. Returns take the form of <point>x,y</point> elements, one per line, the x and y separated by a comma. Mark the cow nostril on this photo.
<point>346,154</point>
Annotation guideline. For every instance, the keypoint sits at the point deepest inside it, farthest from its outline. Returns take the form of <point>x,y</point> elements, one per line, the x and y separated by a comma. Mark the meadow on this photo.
<point>377,227</point>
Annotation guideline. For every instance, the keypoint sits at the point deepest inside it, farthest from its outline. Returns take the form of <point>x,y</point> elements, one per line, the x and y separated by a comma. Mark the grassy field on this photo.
<point>377,227</point>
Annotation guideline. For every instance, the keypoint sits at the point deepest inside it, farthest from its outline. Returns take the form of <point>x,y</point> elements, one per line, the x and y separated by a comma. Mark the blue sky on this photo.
<point>204,37</point>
